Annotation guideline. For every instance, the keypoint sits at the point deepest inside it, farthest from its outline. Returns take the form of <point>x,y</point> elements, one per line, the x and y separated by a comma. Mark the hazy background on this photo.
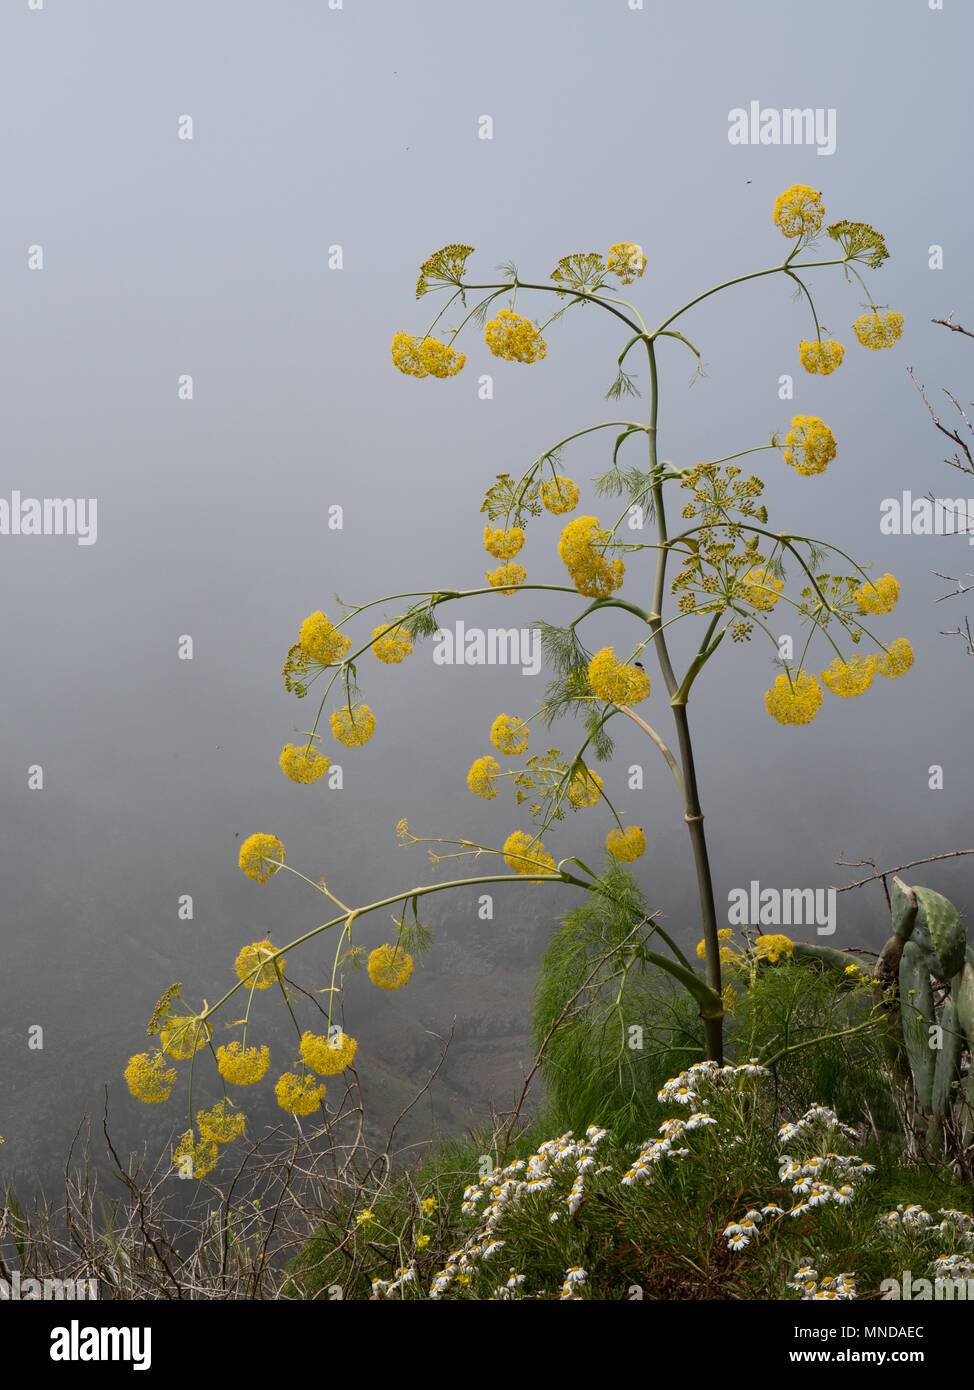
<point>358,127</point>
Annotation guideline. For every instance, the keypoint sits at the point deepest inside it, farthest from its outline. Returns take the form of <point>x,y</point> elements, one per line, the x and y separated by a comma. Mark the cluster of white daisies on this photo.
<point>507,1188</point>
<point>809,1178</point>
<point>956,1227</point>
<point>811,1288</point>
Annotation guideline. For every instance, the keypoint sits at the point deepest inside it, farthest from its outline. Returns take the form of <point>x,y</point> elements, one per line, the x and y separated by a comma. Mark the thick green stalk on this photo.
<point>693,815</point>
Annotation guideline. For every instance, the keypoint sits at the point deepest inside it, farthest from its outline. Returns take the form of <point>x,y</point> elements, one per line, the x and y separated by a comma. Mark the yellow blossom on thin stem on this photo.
<point>389,967</point>
<point>591,573</point>
<point>256,965</point>
<point>879,330</point>
<point>525,854</point>
<point>242,1066</point>
<point>507,578</point>
<point>597,577</point>
<point>849,678</point>
<point>304,764</point>
<point>299,1095</point>
<point>422,357</point>
<point>221,1123</point>
<point>509,734</point>
<point>328,1056</point>
<point>261,856</point>
<point>799,211</point>
<point>559,495</point>
<point>195,1157</point>
<point>183,1037</point>
<point>810,445</point>
<point>761,589</point>
<point>897,659</point>
<point>626,260</point>
<point>391,644</point>
<point>615,683</point>
<point>773,947</point>
<point>482,777</point>
<point>321,641</point>
<point>878,596</point>
<point>353,726</point>
<point>149,1077</point>
<point>585,789</point>
<point>796,701</point>
<point>503,545</point>
<point>820,358</point>
<point>626,845</point>
<point>515,338</point>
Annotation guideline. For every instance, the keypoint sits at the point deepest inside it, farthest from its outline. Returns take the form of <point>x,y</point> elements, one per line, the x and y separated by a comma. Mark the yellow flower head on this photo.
<point>503,545</point>
<point>848,678</point>
<point>507,578</point>
<point>299,1095</point>
<point>897,660</point>
<point>353,727</point>
<point>799,211</point>
<point>810,445</point>
<point>509,734</point>
<point>578,538</point>
<point>183,1037</point>
<point>364,1217</point>
<point>256,965</point>
<point>773,947</point>
<point>328,1056</point>
<point>761,589</point>
<point>820,358</point>
<point>615,683</point>
<point>149,1078</point>
<point>626,260</point>
<point>242,1066</point>
<point>559,495</point>
<point>421,357</point>
<point>439,359</point>
<point>195,1157</point>
<point>482,777</point>
<point>878,330</point>
<point>584,789</point>
<point>321,641</point>
<point>794,702</point>
<point>389,967</point>
<point>428,1205</point>
<point>422,1242</point>
<point>514,338</point>
<point>728,956</point>
<point>591,573</point>
<point>626,845</point>
<point>261,856</point>
<point>597,577</point>
<point>879,596</point>
<point>391,644</point>
<point>444,267</point>
<point>304,764</point>
<point>525,854</point>
<point>221,1124</point>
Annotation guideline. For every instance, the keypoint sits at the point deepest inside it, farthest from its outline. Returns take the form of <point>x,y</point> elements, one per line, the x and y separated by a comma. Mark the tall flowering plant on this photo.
<point>715,562</point>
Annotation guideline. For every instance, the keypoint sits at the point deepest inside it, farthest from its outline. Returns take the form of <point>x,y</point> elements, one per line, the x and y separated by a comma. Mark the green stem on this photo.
<point>712,1020</point>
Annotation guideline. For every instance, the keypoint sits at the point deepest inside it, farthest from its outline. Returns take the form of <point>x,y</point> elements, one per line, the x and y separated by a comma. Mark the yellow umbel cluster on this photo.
<point>614,682</point>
